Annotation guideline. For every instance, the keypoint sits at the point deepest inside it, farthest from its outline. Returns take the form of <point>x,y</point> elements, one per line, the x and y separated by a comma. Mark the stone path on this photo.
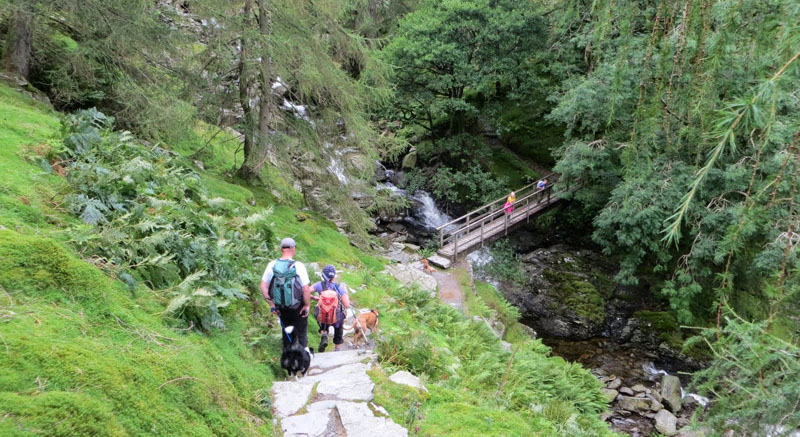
<point>333,399</point>
<point>450,291</point>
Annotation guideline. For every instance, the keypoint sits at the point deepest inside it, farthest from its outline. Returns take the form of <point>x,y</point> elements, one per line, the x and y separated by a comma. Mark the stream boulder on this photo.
<point>633,404</point>
<point>666,423</point>
<point>671,392</point>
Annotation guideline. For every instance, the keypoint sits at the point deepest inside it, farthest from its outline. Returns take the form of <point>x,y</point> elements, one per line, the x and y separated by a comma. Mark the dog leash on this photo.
<point>283,328</point>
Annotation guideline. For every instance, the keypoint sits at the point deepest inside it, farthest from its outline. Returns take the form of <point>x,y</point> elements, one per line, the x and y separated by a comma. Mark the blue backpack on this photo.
<point>285,288</point>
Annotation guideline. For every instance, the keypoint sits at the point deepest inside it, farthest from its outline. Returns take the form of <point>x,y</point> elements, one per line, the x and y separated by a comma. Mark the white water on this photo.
<point>430,214</point>
<point>480,257</point>
<point>651,369</point>
<point>335,165</point>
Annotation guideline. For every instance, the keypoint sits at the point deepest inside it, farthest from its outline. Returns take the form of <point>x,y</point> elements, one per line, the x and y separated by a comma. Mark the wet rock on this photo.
<point>610,394</point>
<point>671,392</point>
<point>666,422</point>
<point>614,384</point>
<point>566,295</point>
<point>360,162</point>
<point>406,378</point>
<point>626,391</point>
<point>632,404</point>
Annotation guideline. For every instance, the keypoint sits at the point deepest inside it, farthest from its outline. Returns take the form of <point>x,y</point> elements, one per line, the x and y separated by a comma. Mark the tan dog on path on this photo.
<point>427,267</point>
<point>365,321</point>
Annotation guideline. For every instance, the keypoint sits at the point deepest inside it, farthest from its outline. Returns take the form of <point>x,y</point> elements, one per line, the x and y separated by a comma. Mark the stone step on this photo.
<point>439,261</point>
<point>329,360</point>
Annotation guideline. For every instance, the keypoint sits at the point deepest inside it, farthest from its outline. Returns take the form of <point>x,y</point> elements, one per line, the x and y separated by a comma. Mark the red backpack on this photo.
<point>328,306</point>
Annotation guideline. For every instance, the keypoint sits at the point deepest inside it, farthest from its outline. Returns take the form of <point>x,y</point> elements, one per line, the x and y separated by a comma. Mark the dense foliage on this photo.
<point>455,63</point>
<point>683,123</point>
<point>156,223</point>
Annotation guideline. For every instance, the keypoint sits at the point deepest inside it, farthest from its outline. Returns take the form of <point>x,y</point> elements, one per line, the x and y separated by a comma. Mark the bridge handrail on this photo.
<point>491,215</point>
<point>550,175</point>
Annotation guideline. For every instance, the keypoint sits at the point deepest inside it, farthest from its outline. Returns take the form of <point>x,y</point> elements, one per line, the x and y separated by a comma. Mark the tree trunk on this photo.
<point>19,43</point>
<point>246,95</point>
<point>256,87</point>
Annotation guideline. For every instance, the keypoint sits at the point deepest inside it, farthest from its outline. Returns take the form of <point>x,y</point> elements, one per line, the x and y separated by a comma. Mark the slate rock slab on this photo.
<point>359,421</point>
<point>329,360</point>
<point>288,397</point>
<point>406,378</point>
<point>313,424</point>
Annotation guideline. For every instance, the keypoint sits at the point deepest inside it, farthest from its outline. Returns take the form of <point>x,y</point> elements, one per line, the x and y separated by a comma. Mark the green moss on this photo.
<point>57,413</point>
<point>34,266</point>
<point>661,321</point>
<point>578,294</point>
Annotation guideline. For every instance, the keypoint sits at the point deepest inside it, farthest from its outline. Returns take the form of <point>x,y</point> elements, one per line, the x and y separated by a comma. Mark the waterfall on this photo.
<point>335,165</point>
<point>431,216</point>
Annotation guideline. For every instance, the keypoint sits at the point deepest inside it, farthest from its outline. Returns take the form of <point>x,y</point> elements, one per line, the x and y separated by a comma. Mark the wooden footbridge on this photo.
<point>491,220</point>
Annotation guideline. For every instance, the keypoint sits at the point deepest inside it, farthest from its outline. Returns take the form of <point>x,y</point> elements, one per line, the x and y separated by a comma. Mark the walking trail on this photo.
<point>450,291</point>
<point>334,399</point>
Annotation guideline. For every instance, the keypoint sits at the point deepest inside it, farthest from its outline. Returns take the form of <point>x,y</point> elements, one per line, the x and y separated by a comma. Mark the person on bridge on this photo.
<point>541,185</point>
<point>331,309</point>
<point>509,206</point>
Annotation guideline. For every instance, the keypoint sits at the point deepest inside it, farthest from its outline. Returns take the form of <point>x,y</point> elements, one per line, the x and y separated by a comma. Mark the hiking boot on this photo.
<point>338,347</point>
<point>323,343</point>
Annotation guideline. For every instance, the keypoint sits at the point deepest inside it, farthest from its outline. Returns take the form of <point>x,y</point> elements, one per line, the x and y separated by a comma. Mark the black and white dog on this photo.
<point>295,358</point>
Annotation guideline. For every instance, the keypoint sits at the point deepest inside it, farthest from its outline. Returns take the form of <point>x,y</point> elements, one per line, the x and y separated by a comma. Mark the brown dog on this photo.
<point>427,267</point>
<point>364,322</point>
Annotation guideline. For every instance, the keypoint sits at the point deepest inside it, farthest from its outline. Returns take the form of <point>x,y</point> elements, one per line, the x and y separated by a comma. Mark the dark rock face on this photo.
<point>567,292</point>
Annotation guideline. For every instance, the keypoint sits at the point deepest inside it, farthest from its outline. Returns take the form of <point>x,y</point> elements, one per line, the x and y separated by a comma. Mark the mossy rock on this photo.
<point>662,323</point>
<point>410,160</point>
<point>583,298</point>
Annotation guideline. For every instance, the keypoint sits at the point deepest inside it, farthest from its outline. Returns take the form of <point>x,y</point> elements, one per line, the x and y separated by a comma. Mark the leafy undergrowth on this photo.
<point>83,357</point>
<point>475,385</point>
<point>83,353</point>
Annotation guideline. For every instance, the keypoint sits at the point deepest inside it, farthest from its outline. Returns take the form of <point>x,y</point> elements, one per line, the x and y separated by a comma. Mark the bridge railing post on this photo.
<point>482,222</point>
<point>527,210</point>
<point>455,246</point>
<point>441,237</point>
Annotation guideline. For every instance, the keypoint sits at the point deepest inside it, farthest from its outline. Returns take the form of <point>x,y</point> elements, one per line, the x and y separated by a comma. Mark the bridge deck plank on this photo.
<point>495,227</point>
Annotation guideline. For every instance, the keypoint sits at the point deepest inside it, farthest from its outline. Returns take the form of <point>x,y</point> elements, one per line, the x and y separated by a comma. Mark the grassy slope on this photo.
<point>80,354</point>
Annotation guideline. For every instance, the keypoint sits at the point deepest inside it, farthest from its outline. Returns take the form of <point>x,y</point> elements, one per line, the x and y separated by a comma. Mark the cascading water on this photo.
<point>429,214</point>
